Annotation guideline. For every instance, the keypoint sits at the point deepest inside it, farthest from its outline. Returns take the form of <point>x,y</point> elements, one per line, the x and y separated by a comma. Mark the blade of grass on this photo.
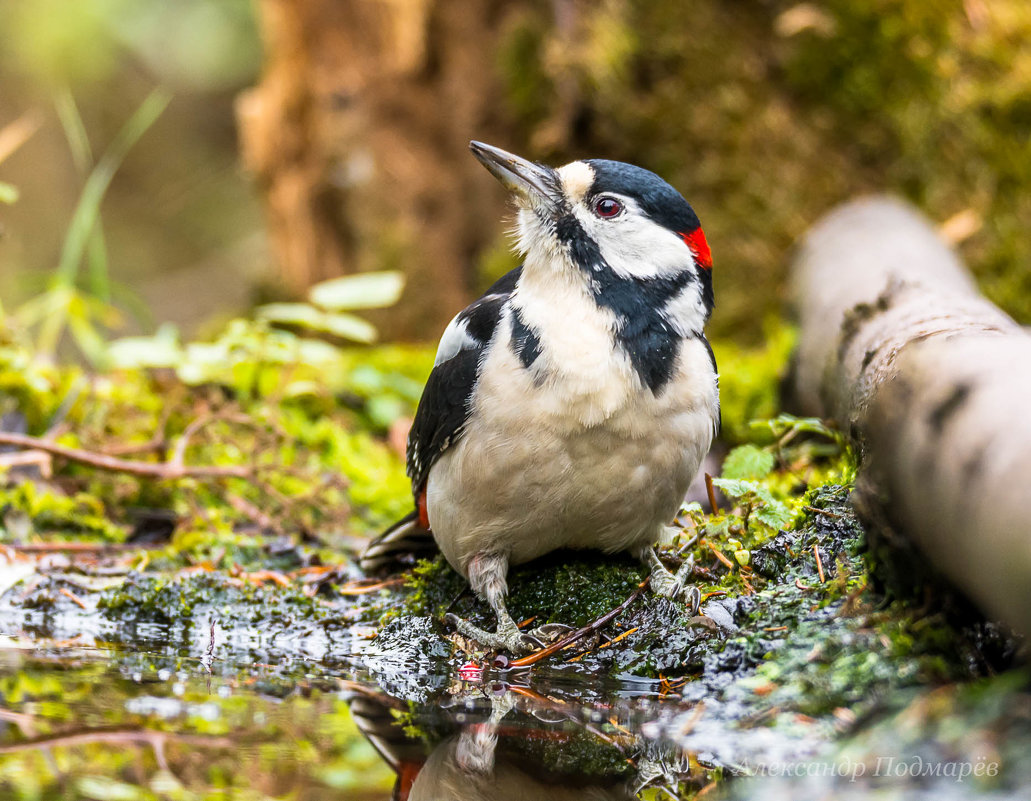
<point>74,131</point>
<point>87,210</point>
<point>100,178</point>
<point>96,261</point>
<point>82,154</point>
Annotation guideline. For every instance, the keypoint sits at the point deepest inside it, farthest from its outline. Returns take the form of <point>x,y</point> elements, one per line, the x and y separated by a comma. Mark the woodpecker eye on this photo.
<point>607,207</point>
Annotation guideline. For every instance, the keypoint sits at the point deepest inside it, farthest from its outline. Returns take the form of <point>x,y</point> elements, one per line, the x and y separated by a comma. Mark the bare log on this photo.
<point>933,383</point>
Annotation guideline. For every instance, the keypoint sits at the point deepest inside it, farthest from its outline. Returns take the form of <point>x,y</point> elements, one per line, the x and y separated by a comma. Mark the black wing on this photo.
<point>444,406</point>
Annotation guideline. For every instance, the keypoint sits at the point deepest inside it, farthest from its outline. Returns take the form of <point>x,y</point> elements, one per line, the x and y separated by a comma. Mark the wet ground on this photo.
<point>119,681</point>
<point>173,712</point>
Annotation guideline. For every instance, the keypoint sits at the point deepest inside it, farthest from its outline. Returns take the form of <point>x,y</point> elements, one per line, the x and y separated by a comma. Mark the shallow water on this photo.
<point>89,720</point>
<point>193,683</point>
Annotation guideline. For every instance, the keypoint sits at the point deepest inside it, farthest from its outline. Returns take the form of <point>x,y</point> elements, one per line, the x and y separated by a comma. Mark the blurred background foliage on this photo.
<point>180,215</point>
<point>764,114</point>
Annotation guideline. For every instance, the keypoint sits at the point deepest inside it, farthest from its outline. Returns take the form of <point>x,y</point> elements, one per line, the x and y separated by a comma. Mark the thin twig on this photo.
<point>79,547</point>
<point>117,736</point>
<point>67,593</point>
<point>712,494</point>
<point>819,564</point>
<point>824,512</point>
<point>164,471</point>
<point>26,458</point>
<point>356,588</point>
<point>719,554</point>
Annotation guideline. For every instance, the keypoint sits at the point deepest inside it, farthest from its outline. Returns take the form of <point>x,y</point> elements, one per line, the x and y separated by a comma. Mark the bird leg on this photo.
<point>487,577</point>
<point>670,585</point>
<point>474,751</point>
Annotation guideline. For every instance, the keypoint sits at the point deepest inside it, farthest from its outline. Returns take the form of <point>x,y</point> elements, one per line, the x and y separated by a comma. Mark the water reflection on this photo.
<point>503,739</point>
<point>112,723</point>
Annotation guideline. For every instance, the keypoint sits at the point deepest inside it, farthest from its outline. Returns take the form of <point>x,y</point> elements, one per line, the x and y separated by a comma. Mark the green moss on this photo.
<point>767,115</point>
<point>184,600</point>
<point>433,586</point>
<point>38,510</point>
<point>573,589</point>
<point>750,379</point>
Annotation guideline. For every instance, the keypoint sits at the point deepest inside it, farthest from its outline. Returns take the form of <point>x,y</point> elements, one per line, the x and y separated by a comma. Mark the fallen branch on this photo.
<point>163,471</point>
<point>932,384</point>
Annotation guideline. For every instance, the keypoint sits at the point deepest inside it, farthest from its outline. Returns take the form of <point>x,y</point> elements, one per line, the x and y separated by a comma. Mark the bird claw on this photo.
<point>549,633</point>
<point>506,638</point>
<point>673,586</point>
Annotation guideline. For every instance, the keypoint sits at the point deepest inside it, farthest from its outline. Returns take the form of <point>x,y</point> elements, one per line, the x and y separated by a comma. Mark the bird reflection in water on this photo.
<point>502,741</point>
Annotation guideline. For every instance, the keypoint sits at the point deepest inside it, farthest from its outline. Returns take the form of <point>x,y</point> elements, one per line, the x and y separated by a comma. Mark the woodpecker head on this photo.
<point>633,239</point>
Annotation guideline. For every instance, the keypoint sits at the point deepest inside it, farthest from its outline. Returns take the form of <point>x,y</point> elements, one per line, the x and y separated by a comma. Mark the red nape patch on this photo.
<point>421,507</point>
<point>695,240</point>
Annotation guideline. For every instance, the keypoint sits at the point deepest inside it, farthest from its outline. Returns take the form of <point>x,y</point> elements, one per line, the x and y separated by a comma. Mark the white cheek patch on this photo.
<point>577,177</point>
<point>636,247</point>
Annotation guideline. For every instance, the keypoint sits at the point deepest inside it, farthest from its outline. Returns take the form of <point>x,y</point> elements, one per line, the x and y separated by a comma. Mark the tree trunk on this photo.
<point>358,138</point>
<point>933,383</point>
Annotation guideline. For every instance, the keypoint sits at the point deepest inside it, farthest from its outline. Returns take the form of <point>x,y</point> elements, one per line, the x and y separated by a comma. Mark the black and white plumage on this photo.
<point>572,404</point>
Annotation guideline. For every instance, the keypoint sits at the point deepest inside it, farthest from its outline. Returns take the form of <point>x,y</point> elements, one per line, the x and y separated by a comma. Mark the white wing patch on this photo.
<point>455,338</point>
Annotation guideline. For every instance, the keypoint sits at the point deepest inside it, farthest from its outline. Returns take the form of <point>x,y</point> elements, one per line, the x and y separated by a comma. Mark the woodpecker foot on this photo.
<point>507,638</point>
<point>549,633</point>
<point>674,585</point>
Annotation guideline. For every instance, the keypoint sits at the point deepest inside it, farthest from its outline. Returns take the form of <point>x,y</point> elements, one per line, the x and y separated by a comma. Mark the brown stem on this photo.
<point>712,495</point>
<point>117,736</point>
<point>163,471</point>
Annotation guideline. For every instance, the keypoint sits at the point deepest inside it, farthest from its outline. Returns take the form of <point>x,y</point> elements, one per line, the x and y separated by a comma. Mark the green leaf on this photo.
<point>160,350</point>
<point>102,788</point>
<point>346,326</point>
<point>785,423</point>
<point>362,291</point>
<point>772,513</point>
<point>8,193</point>
<point>765,508</point>
<point>290,314</point>
<point>737,488</point>
<point>748,462</point>
<point>349,327</point>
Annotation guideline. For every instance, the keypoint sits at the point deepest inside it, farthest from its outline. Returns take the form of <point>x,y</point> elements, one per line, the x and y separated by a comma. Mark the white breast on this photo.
<point>574,452</point>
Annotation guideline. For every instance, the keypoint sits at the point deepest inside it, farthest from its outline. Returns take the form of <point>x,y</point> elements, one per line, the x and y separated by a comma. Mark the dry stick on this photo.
<point>712,494</point>
<point>824,512</point>
<point>819,564</point>
<point>67,593</point>
<point>537,656</point>
<point>163,471</point>
<point>719,554</point>
<point>365,589</point>
<point>85,547</point>
<point>117,736</point>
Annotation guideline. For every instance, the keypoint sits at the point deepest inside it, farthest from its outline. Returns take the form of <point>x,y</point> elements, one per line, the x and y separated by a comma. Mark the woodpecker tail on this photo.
<point>376,718</point>
<point>399,547</point>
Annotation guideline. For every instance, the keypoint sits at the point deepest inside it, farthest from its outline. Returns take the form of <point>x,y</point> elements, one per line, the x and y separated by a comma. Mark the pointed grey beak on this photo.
<point>536,184</point>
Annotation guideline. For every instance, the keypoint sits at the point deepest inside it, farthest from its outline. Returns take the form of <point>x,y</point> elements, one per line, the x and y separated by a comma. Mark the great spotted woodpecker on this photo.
<point>571,405</point>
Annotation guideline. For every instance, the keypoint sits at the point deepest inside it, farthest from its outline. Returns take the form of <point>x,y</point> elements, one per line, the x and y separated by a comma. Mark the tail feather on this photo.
<point>399,547</point>
<point>375,716</point>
